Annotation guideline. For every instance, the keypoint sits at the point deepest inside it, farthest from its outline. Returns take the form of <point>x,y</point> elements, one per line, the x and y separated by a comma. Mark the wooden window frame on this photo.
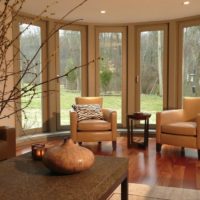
<point>18,116</point>
<point>84,71</point>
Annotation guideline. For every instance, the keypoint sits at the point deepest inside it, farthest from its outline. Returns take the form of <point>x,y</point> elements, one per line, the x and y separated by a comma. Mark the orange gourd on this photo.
<point>68,158</point>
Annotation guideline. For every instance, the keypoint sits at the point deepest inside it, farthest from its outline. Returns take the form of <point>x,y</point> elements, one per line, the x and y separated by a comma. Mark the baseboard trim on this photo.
<point>42,137</point>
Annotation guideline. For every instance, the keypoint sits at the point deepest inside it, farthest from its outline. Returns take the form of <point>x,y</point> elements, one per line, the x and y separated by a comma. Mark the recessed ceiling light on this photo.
<point>186,2</point>
<point>103,12</point>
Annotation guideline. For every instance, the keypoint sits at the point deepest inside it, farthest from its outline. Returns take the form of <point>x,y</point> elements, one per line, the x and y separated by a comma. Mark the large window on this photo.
<point>142,82</point>
<point>191,61</point>
<point>110,74</point>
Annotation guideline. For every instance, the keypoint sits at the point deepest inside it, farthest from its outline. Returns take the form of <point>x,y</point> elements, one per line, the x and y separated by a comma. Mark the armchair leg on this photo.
<point>99,145</point>
<point>182,151</point>
<point>158,147</point>
<point>114,145</point>
<point>198,154</point>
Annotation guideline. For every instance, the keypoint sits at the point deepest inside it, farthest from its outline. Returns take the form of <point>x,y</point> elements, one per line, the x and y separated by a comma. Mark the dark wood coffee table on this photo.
<point>25,179</point>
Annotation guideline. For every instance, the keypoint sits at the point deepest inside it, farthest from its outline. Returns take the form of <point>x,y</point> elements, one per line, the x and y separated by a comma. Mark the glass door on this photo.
<point>151,72</point>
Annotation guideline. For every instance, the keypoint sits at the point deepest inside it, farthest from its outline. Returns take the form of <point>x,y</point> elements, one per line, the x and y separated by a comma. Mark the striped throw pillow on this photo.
<point>88,111</point>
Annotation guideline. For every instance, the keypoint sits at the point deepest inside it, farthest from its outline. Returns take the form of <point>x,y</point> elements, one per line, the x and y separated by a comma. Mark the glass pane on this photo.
<point>110,48</point>
<point>30,41</point>
<point>191,61</point>
<point>151,72</point>
<point>70,56</point>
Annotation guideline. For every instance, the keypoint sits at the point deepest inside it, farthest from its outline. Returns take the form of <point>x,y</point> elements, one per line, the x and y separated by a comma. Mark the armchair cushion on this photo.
<point>180,128</point>
<point>94,125</point>
<point>88,111</point>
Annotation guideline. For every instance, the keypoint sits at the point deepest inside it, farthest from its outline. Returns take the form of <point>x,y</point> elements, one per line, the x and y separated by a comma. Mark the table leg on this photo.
<point>128,132</point>
<point>131,140</point>
<point>146,132</point>
<point>124,189</point>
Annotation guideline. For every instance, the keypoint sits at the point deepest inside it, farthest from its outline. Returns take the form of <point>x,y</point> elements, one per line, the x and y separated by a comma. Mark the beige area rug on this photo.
<point>147,192</point>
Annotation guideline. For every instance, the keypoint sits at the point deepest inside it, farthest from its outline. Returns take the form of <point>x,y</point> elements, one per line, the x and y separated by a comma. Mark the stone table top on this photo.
<point>22,178</point>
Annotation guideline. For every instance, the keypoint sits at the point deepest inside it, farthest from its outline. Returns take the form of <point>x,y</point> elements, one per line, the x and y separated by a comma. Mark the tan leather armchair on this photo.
<point>7,142</point>
<point>180,127</point>
<point>94,130</point>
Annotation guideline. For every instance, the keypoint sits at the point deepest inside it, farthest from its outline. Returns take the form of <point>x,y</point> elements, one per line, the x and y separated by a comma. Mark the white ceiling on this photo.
<point>117,11</point>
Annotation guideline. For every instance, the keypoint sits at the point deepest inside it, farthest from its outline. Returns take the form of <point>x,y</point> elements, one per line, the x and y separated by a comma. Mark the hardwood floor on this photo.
<point>169,168</point>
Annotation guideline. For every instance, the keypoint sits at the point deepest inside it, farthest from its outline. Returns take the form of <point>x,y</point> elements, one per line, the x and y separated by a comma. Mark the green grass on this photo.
<point>149,103</point>
<point>68,99</point>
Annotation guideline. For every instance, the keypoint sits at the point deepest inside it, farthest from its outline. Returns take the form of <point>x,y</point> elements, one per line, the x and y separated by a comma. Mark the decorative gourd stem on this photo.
<point>66,139</point>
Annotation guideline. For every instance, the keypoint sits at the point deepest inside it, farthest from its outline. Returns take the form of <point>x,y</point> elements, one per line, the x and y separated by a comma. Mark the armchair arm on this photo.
<point>3,133</point>
<point>108,114</point>
<point>111,116</point>
<point>9,134</point>
<point>166,117</point>
<point>73,124</point>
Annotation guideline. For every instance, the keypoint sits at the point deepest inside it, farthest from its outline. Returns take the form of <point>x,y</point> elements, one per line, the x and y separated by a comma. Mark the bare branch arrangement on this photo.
<point>10,96</point>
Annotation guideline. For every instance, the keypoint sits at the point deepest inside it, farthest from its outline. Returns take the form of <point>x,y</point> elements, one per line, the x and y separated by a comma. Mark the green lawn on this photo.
<point>149,103</point>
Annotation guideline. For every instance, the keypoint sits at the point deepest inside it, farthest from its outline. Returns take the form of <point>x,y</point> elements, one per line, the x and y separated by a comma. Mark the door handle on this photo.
<point>137,79</point>
<point>58,78</point>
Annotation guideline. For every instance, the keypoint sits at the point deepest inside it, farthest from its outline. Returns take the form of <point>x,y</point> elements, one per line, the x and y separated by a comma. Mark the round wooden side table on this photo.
<point>130,135</point>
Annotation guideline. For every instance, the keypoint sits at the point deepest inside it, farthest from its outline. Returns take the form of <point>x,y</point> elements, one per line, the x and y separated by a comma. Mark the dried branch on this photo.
<point>18,91</point>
